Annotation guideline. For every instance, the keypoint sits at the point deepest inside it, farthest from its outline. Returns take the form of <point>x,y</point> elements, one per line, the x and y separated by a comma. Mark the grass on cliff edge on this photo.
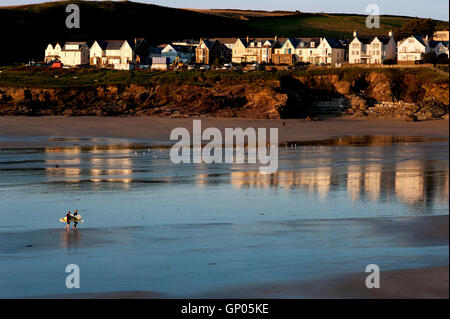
<point>65,78</point>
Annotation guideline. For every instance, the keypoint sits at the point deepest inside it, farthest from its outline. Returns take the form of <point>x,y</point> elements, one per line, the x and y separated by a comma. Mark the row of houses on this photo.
<point>112,53</point>
<point>374,49</point>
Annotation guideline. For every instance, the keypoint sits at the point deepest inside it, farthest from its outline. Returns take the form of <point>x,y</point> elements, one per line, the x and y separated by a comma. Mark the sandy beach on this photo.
<point>158,129</point>
<point>154,229</point>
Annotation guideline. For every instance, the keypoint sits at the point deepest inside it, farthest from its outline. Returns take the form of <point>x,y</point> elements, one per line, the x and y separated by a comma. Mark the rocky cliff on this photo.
<point>371,94</point>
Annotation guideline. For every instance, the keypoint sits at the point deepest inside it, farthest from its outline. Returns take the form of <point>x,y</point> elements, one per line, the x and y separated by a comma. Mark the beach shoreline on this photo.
<point>18,131</point>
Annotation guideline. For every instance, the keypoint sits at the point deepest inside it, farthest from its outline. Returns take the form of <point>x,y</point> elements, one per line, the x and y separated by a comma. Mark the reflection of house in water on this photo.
<point>354,181</point>
<point>63,162</point>
<point>109,164</point>
<point>372,181</point>
<point>314,180</point>
<point>409,181</point>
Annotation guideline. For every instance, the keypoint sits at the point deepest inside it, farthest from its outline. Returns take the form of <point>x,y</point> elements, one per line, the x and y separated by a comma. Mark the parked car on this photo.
<point>205,67</point>
<point>191,67</point>
<point>57,65</point>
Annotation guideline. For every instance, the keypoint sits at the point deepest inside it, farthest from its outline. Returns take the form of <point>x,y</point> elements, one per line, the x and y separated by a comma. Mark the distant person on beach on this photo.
<point>75,222</point>
<point>67,220</point>
<point>284,124</point>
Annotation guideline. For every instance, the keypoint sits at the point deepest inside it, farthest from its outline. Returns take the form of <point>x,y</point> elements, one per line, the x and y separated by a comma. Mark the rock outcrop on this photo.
<point>371,94</point>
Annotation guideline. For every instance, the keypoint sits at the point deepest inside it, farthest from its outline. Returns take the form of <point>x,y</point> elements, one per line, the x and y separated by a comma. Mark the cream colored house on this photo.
<point>412,49</point>
<point>313,50</point>
<point>258,50</point>
<point>372,49</point>
<point>320,51</point>
<point>116,54</point>
<point>72,54</point>
<point>441,35</point>
<point>75,53</point>
<point>52,53</point>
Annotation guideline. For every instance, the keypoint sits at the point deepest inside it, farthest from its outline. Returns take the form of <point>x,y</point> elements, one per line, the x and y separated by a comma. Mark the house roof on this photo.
<point>365,39</point>
<point>306,42</point>
<point>182,48</point>
<point>76,43</point>
<point>384,38</point>
<point>79,44</point>
<point>433,43</point>
<point>154,50</point>
<point>334,43</point>
<point>113,44</point>
<point>420,38</point>
<point>208,43</point>
<point>225,40</point>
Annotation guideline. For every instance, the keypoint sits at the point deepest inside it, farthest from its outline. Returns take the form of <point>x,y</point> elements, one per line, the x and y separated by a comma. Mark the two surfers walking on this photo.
<point>71,218</point>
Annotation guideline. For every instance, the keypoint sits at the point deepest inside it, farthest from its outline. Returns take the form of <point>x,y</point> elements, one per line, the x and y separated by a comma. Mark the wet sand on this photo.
<point>426,235</point>
<point>158,129</point>
<point>427,282</point>
<point>422,283</point>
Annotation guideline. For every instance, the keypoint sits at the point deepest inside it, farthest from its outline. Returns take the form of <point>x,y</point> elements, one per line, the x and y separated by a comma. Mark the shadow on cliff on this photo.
<point>303,101</point>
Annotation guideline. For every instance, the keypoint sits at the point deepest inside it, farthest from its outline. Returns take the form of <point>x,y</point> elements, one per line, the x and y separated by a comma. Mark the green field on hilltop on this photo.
<point>328,25</point>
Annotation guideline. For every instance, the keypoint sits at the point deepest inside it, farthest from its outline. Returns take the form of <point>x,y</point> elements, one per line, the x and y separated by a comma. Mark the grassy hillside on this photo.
<point>30,28</point>
<point>57,78</point>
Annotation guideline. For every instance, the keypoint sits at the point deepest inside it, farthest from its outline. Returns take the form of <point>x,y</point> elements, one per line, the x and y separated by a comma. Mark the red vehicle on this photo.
<point>57,65</point>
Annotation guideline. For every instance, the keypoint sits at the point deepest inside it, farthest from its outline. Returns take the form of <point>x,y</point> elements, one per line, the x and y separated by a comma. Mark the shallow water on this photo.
<point>333,207</point>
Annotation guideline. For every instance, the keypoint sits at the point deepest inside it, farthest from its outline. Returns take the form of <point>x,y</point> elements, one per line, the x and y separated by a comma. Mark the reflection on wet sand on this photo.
<point>110,164</point>
<point>409,184</point>
<point>70,239</point>
<point>364,172</point>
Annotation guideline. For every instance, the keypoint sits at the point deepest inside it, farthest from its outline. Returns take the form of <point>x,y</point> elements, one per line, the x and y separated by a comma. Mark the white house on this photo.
<point>112,53</point>
<point>372,49</point>
<point>186,53</point>
<point>331,51</point>
<point>313,50</point>
<point>438,47</point>
<point>257,50</point>
<point>53,53</point>
<point>72,54</point>
<point>412,49</point>
<point>320,51</point>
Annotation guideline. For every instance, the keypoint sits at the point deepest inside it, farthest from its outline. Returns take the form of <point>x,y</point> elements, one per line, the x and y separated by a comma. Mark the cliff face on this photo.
<point>368,95</point>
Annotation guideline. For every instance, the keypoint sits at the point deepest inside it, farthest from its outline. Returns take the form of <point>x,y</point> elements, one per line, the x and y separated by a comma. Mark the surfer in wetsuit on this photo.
<point>75,222</point>
<point>68,220</point>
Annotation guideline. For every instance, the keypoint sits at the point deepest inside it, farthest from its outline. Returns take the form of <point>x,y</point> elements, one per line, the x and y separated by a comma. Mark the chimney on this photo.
<point>276,38</point>
<point>391,34</point>
<point>355,34</point>
<point>426,38</point>
<point>248,39</point>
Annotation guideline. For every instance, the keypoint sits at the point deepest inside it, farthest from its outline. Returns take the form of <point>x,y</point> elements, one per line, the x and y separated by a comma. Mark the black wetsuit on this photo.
<point>68,218</point>
<point>74,221</point>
